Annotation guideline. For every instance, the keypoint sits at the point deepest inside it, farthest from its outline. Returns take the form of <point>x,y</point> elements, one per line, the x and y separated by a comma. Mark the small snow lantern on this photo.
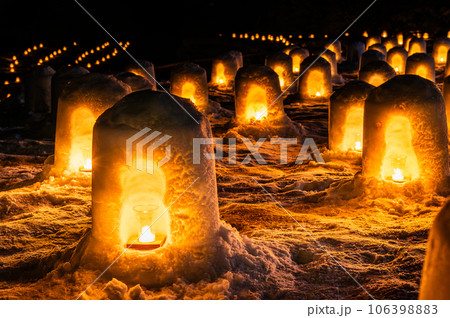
<point>257,88</point>
<point>373,40</point>
<point>417,45</point>
<point>421,64</point>
<point>400,38</point>
<point>189,81</point>
<point>376,73</point>
<point>298,55</point>
<point>38,83</point>
<point>239,59</point>
<point>390,43</point>
<point>315,83</point>
<point>379,47</point>
<point>60,79</point>
<point>346,116</point>
<point>440,50</point>
<point>354,51</point>
<point>136,82</point>
<point>396,58</point>
<point>435,280</point>
<point>224,69</point>
<point>405,132</point>
<point>148,71</point>
<point>331,58</point>
<point>151,222</point>
<point>370,56</point>
<point>81,102</point>
<point>335,47</point>
<point>281,63</point>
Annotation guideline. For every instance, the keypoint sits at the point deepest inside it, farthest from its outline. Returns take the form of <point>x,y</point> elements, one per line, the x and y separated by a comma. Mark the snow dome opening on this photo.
<point>376,73</point>
<point>161,223</point>
<point>417,45</point>
<point>281,63</point>
<point>396,57</point>
<point>81,102</point>
<point>421,64</point>
<point>346,116</point>
<point>405,132</point>
<point>441,48</point>
<point>298,55</point>
<point>224,69</point>
<point>189,81</point>
<point>315,83</point>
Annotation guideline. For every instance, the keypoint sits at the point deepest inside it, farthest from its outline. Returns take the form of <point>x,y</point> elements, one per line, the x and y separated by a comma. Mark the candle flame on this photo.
<point>397,176</point>
<point>146,235</point>
<point>318,94</point>
<point>358,145</point>
<point>88,164</point>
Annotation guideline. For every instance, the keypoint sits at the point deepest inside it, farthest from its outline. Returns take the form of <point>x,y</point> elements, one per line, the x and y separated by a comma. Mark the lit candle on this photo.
<point>146,235</point>
<point>397,176</point>
<point>358,145</point>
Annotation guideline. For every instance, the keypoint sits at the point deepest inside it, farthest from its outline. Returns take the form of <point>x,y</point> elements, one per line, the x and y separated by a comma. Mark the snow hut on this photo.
<point>441,48</point>
<point>189,81</point>
<point>376,73</point>
<point>147,71</point>
<point>281,63</point>
<point>354,51</point>
<point>435,281</point>
<point>405,132</point>
<point>417,45</point>
<point>390,43</point>
<point>370,56</point>
<point>379,47</point>
<point>373,40</point>
<point>298,55</point>
<point>81,102</point>
<point>396,57</point>
<point>346,116</point>
<point>155,214</point>
<point>315,83</point>
<point>331,58</point>
<point>224,70</point>
<point>335,47</point>
<point>38,84</point>
<point>421,64</point>
<point>238,57</point>
<point>60,79</point>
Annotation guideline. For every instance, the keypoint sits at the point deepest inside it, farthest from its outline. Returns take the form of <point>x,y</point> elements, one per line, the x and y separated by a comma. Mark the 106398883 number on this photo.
<point>403,309</point>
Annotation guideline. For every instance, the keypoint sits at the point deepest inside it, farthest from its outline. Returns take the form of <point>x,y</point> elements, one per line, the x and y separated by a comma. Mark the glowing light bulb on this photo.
<point>146,235</point>
<point>358,145</point>
<point>397,176</point>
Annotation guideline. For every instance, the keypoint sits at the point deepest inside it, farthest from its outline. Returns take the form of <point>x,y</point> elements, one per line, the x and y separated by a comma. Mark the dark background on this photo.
<point>166,32</point>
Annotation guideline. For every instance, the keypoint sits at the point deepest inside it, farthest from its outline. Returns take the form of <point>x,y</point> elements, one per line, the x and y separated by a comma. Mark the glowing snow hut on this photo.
<point>38,83</point>
<point>372,40</point>
<point>136,82</point>
<point>396,57</point>
<point>379,47</point>
<point>281,63</point>
<point>421,64</point>
<point>376,73</point>
<point>189,81</point>
<point>441,48</point>
<point>371,56</point>
<point>224,69</point>
<point>417,45</point>
<point>405,133</point>
<point>335,47</point>
<point>298,55</point>
<point>315,83</point>
<point>155,214</point>
<point>331,58</point>
<point>390,43</point>
<point>346,116</point>
<point>81,102</point>
<point>60,79</point>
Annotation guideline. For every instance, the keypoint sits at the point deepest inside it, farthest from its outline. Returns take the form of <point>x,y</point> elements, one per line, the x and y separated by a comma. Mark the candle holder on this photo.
<point>399,169</point>
<point>146,240</point>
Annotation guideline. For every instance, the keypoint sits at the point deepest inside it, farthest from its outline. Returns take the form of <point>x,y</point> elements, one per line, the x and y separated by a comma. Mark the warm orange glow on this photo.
<point>280,71</point>
<point>426,36</point>
<point>376,80</point>
<point>220,71</point>
<point>256,103</point>
<point>6,83</point>
<point>315,84</point>
<point>422,71</point>
<point>353,129</point>
<point>400,38</point>
<point>415,48</point>
<point>400,161</point>
<point>17,79</point>
<point>442,54</point>
<point>372,41</point>
<point>233,35</point>
<point>14,58</point>
<point>384,34</point>
<point>87,165</point>
<point>146,235</point>
<point>397,62</point>
<point>188,91</point>
<point>82,123</point>
<point>365,34</point>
